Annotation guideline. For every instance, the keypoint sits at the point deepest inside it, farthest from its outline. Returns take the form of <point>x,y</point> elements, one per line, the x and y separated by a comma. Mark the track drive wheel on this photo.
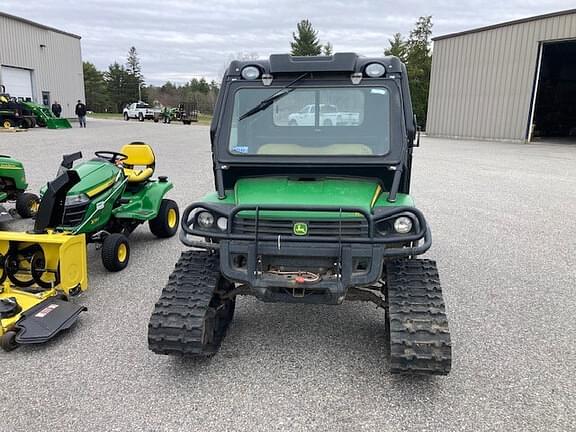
<point>195,308</point>
<point>165,224</point>
<point>115,252</point>
<point>417,323</point>
<point>8,341</point>
<point>27,205</point>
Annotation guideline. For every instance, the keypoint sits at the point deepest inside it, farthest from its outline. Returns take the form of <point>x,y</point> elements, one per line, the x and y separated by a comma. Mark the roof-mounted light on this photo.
<point>375,70</point>
<point>250,73</point>
<point>356,77</point>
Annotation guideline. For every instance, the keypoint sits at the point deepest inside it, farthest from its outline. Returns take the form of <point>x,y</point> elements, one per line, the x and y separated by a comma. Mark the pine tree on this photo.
<point>95,88</point>
<point>306,42</point>
<point>134,78</point>
<point>327,49</point>
<point>397,47</point>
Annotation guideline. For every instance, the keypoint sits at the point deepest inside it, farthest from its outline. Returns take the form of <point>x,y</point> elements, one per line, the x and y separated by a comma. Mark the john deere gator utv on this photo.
<point>13,188</point>
<point>116,193</point>
<point>312,159</point>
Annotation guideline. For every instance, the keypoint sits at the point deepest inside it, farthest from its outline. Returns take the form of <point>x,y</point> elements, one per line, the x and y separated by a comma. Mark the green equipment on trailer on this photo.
<point>45,117</point>
<point>13,188</point>
<point>115,194</point>
<point>312,159</point>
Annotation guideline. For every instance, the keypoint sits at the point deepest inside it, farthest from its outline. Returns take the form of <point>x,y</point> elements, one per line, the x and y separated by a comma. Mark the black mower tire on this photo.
<point>140,117</point>
<point>8,341</point>
<point>165,224</point>
<point>115,252</point>
<point>27,205</point>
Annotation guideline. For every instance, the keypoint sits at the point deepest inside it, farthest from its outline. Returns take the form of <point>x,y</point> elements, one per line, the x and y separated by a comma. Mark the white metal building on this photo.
<point>40,63</point>
<point>512,81</point>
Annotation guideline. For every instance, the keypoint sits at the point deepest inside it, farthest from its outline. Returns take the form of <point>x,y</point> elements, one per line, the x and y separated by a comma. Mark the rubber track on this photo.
<point>177,324</point>
<point>419,334</point>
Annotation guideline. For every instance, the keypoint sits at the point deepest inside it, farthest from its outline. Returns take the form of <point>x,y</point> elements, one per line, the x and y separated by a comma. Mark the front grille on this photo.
<point>74,214</point>
<point>325,228</point>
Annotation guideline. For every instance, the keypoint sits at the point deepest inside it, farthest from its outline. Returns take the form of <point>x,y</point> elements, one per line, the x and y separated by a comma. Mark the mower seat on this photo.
<point>139,166</point>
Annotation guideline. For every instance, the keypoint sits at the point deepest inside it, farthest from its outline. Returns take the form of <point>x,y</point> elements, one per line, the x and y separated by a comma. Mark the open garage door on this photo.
<point>18,81</point>
<point>555,102</point>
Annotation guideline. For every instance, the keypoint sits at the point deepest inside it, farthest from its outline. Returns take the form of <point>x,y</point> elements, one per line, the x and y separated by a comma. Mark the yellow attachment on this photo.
<point>139,155</point>
<point>172,218</point>
<point>26,301</point>
<point>332,149</point>
<point>63,253</point>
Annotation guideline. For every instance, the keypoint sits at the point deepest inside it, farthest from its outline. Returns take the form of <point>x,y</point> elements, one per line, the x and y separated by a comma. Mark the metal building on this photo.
<point>40,63</point>
<point>510,81</point>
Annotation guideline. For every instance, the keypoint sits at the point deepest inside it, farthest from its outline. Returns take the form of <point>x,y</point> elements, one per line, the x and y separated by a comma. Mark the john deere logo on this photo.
<point>300,229</point>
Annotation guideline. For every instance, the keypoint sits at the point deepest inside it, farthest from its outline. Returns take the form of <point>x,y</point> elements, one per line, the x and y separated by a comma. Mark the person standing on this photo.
<point>81,113</point>
<point>56,109</point>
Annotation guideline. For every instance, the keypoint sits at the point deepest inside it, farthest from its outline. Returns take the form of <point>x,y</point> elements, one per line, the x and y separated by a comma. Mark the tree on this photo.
<point>397,47</point>
<point>134,78</point>
<point>415,52</point>
<point>306,42</point>
<point>116,80</point>
<point>327,49</point>
<point>95,88</point>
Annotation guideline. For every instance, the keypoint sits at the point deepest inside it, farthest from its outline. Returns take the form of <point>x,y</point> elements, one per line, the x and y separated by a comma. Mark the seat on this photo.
<point>140,163</point>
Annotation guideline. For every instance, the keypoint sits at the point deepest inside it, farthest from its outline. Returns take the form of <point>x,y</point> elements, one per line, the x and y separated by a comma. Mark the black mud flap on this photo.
<point>46,320</point>
<point>5,215</point>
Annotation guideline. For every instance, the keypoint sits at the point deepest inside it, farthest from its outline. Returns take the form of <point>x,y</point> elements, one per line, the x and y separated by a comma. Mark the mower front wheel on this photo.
<point>165,224</point>
<point>115,252</point>
<point>27,205</point>
<point>8,341</point>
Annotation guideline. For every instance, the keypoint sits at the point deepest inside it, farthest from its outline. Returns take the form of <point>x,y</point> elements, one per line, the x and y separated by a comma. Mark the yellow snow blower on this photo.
<point>39,271</point>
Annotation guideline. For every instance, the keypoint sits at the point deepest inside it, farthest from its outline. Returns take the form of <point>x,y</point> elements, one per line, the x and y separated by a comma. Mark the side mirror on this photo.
<point>417,130</point>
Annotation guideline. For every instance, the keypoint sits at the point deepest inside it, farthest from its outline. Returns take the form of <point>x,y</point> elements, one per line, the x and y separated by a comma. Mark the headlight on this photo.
<point>222,223</point>
<point>205,219</point>
<point>403,225</point>
<point>72,200</point>
<point>375,70</point>
<point>250,73</point>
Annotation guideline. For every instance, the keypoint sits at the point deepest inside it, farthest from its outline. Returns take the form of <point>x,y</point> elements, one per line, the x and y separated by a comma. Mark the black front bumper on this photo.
<point>343,252</point>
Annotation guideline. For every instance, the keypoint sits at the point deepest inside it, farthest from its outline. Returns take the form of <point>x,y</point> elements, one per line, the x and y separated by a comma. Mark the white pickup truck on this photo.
<point>140,111</point>
<point>329,116</point>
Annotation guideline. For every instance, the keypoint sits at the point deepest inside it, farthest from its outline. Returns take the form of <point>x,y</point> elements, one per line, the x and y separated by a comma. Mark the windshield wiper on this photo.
<point>265,103</point>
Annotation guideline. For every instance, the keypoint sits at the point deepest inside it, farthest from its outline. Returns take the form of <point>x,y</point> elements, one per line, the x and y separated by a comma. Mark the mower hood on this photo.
<point>95,176</point>
<point>340,192</point>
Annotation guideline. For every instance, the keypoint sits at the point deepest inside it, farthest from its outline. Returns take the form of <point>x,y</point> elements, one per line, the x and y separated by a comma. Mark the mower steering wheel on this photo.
<point>111,156</point>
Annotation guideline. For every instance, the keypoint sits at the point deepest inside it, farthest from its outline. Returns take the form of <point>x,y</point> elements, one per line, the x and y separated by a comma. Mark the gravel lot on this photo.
<point>502,217</point>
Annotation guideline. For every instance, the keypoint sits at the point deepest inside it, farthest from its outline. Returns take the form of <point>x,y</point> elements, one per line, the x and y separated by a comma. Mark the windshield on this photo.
<point>312,121</point>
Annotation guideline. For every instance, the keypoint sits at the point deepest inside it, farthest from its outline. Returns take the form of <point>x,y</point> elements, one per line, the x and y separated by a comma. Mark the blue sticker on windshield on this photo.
<point>240,149</point>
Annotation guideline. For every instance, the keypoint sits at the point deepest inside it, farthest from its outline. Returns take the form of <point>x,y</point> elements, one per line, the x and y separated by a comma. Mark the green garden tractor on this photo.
<point>312,160</point>
<point>13,187</point>
<point>116,193</point>
<point>44,117</point>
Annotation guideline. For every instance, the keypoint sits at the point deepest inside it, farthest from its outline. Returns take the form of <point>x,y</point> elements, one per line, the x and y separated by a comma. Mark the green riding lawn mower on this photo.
<point>116,194</point>
<point>100,201</point>
<point>313,211</point>
<point>13,187</point>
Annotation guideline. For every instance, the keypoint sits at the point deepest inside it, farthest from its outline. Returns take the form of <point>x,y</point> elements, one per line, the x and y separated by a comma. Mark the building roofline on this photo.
<point>506,24</point>
<point>35,24</point>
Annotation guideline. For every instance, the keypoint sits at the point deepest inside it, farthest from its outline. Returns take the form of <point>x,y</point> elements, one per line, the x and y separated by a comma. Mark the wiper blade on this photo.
<point>265,103</point>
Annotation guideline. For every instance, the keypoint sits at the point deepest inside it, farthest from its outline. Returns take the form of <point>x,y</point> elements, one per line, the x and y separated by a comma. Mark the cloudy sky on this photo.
<point>178,40</point>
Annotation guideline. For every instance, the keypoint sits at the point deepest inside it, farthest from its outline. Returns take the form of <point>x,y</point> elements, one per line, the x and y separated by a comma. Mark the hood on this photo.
<point>340,192</point>
<point>94,175</point>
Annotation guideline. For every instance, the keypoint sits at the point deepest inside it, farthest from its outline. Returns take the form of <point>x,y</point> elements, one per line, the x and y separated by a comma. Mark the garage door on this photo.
<point>18,81</point>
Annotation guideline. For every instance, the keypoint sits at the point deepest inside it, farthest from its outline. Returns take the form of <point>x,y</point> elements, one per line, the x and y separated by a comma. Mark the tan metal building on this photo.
<point>510,81</point>
<point>40,63</point>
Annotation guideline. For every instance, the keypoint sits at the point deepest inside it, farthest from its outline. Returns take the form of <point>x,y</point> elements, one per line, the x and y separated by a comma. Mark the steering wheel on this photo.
<point>111,156</point>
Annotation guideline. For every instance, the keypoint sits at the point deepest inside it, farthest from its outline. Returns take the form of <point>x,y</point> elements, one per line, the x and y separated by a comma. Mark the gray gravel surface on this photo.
<point>504,236</point>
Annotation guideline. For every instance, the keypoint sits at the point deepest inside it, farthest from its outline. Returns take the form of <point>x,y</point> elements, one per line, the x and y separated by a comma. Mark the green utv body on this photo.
<point>116,194</point>
<point>312,159</point>
<point>13,187</point>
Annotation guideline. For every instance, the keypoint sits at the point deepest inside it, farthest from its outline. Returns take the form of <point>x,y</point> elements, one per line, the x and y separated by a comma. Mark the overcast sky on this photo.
<point>179,40</point>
